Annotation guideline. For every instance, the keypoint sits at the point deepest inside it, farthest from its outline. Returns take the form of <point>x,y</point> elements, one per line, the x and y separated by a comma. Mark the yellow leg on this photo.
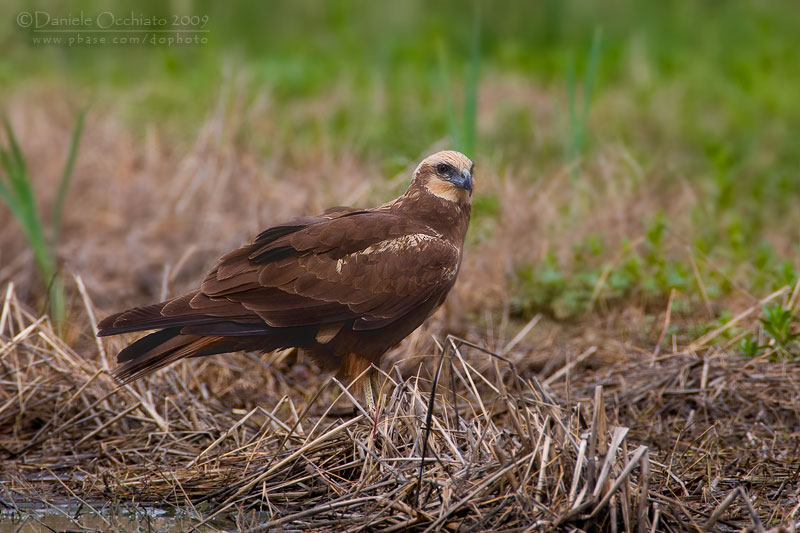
<point>376,384</point>
<point>369,387</point>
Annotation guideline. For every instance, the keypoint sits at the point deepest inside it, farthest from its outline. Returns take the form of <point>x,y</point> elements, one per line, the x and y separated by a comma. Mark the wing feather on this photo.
<point>369,266</point>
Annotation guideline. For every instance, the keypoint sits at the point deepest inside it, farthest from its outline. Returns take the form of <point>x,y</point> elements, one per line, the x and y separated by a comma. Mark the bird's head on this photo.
<point>447,175</point>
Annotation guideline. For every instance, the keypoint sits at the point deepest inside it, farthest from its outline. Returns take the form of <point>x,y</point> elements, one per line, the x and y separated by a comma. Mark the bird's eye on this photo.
<point>443,169</point>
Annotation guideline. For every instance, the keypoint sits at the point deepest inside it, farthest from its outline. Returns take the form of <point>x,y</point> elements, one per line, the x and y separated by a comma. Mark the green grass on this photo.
<point>17,193</point>
<point>779,336</point>
<point>571,287</point>
<point>463,132</point>
<point>578,117</point>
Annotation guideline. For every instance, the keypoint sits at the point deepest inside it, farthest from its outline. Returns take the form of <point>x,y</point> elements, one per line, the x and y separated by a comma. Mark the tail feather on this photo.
<point>146,344</point>
<point>187,332</point>
<point>150,317</point>
<point>180,312</point>
<point>162,348</point>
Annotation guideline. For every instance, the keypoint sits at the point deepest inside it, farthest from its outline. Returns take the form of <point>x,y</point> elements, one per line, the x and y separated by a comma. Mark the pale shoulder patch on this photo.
<point>403,242</point>
<point>412,243</point>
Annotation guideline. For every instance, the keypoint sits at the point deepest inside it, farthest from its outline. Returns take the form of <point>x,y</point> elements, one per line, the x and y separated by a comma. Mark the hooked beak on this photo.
<point>463,180</point>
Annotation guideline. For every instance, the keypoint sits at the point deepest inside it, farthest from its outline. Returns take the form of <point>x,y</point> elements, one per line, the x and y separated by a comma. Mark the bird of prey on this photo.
<point>345,285</point>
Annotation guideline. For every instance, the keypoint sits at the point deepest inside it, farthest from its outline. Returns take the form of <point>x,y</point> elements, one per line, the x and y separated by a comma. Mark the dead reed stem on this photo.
<point>492,451</point>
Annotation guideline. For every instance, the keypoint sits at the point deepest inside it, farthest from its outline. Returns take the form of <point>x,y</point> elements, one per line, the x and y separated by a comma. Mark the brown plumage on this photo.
<point>345,285</point>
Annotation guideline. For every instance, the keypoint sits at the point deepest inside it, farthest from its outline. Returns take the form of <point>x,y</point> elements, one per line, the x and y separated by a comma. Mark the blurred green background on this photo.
<point>727,70</point>
<point>703,93</point>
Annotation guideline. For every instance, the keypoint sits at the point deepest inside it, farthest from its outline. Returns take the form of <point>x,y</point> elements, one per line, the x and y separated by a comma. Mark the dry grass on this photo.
<point>682,439</point>
<point>499,454</point>
<point>502,451</point>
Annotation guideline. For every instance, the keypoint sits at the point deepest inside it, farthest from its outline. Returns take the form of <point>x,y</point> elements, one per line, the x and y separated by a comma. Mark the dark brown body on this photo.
<point>345,285</point>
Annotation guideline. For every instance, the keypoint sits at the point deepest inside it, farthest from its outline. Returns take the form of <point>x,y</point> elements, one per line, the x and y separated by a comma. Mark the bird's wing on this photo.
<point>372,267</point>
<point>369,266</point>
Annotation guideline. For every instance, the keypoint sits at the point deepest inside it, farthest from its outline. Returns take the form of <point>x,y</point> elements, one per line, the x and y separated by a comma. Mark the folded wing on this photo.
<point>371,267</point>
